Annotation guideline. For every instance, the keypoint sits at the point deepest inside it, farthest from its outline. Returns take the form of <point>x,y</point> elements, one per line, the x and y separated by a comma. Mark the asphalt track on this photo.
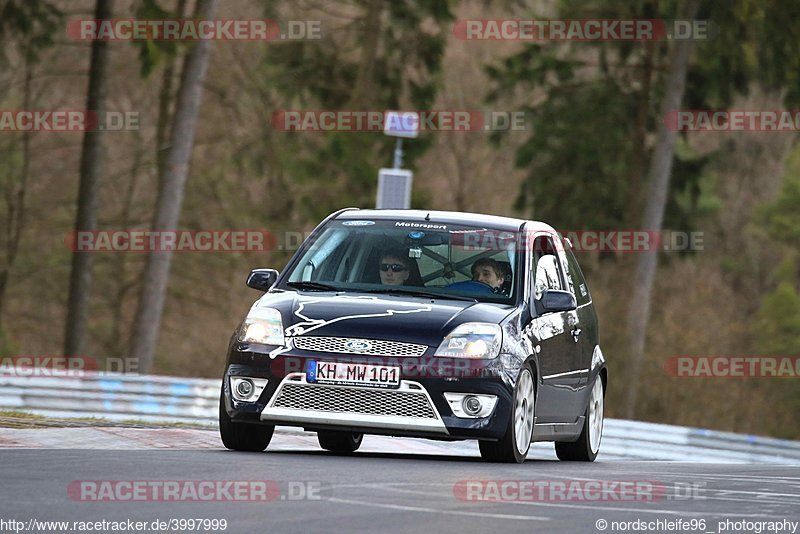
<point>390,486</point>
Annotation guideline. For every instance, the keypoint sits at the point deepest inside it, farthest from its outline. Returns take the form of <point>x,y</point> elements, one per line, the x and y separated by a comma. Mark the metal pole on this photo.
<point>398,153</point>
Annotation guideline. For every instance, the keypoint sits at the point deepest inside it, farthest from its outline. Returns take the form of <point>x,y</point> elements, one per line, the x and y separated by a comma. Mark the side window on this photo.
<point>574,274</point>
<point>547,275</point>
<point>568,271</point>
<point>320,262</point>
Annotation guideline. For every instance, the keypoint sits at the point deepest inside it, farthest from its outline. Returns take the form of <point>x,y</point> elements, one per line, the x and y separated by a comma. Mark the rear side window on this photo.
<point>575,277</point>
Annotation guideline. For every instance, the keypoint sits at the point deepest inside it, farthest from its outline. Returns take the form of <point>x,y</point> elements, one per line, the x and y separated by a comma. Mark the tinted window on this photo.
<point>547,273</point>
<point>575,277</point>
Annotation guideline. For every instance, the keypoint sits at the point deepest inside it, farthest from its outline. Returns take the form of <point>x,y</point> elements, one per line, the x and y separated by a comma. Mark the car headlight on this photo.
<point>262,325</point>
<point>472,340</point>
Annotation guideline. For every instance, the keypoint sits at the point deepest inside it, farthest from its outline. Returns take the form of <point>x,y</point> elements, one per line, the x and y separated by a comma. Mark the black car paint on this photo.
<point>559,356</point>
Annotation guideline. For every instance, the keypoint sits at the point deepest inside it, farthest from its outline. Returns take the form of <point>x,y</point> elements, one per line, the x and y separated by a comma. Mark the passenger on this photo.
<point>490,272</point>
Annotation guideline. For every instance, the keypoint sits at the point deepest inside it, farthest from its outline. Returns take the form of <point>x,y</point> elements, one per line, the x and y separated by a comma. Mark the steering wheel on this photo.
<point>471,286</point>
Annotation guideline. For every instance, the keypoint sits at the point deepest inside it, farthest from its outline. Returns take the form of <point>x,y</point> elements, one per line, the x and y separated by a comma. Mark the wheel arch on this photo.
<point>533,363</point>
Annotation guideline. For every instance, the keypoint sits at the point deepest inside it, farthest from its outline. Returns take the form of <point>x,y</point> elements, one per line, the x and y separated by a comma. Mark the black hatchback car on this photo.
<point>433,324</point>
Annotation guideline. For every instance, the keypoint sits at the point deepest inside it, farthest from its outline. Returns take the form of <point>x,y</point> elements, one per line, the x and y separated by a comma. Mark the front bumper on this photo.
<point>417,409</point>
<point>408,408</point>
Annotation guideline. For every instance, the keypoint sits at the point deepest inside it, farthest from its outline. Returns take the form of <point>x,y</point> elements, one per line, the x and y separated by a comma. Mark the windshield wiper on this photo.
<point>312,286</point>
<point>419,293</point>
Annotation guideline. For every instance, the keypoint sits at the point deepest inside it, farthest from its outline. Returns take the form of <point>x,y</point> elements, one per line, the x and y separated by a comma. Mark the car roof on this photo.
<point>445,217</point>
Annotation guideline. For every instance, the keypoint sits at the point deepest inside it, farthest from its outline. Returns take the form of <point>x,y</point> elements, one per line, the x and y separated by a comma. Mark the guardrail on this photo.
<point>113,396</point>
<point>120,397</point>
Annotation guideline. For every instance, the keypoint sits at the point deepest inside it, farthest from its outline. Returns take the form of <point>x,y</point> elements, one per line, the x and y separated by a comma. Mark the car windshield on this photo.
<point>404,257</point>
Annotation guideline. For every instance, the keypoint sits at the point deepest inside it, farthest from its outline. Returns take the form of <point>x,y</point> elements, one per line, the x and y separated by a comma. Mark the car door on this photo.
<point>585,331</point>
<point>551,334</point>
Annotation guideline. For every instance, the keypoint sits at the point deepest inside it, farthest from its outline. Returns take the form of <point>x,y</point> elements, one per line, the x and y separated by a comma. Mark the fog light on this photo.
<point>472,405</point>
<point>244,388</point>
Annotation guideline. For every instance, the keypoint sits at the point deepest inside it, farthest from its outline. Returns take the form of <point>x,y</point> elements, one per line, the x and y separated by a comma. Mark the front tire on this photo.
<point>588,444</point>
<point>242,436</point>
<point>513,447</point>
<point>339,441</point>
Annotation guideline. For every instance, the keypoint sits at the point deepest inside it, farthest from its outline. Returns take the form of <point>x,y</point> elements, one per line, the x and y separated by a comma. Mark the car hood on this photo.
<point>373,316</point>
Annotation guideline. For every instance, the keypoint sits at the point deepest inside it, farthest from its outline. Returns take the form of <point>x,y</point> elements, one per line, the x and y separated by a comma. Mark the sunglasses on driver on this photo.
<point>395,267</point>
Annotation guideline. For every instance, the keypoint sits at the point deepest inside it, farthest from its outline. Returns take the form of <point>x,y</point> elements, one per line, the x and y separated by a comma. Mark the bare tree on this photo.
<point>658,187</point>
<point>15,201</point>
<point>170,196</point>
<point>165,97</point>
<point>80,281</point>
<point>363,87</point>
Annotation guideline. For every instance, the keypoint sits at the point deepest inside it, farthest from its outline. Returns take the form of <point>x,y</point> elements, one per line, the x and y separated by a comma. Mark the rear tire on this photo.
<point>339,441</point>
<point>513,447</point>
<point>588,444</point>
<point>242,436</point>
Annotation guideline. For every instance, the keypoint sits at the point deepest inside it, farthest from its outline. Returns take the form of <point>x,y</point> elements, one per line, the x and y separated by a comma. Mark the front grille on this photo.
<point>354,400</point>
<point>376,346</point>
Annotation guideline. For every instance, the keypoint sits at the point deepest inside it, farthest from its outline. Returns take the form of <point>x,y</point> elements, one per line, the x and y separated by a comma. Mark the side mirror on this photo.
<point>262,279</point>
<point>554,300</point>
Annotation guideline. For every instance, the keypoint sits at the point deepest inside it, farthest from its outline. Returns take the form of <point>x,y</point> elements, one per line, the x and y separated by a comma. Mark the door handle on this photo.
<point>576,332</point>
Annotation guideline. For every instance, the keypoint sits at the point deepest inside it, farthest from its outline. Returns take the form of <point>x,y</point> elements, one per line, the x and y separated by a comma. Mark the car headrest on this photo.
<point>506,266</point>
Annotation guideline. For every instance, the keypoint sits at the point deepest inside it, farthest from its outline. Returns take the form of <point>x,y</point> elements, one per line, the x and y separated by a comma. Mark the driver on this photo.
<point>489,272</point>
<point>393,268</point>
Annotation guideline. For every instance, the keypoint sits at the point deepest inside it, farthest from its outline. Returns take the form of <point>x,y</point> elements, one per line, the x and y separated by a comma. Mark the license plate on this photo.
<point>353,374</point>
